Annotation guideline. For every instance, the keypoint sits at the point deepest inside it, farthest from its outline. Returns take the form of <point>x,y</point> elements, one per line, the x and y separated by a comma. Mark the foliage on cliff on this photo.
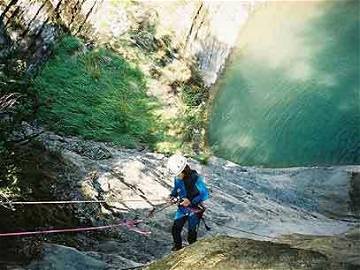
<point>148,92</point>
<point>96,94</point>
<point>173,77</point>
<point>16,105</point>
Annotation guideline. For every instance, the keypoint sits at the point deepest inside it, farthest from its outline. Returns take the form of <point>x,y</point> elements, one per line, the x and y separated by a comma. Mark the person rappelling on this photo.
<point>189,191</point>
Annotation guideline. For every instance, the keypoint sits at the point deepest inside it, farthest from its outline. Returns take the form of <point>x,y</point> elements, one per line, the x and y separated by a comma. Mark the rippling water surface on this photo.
<point>290,96</point>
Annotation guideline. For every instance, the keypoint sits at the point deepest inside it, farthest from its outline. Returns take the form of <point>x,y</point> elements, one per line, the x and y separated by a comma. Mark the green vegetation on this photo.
<point>171,76</point>
<point>193,123</point>
<point>118,92</point>
<point>95,94</point>
<point>16,105</point>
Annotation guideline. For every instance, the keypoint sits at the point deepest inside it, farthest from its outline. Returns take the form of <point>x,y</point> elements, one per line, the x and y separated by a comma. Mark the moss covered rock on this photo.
<point>223,252</point>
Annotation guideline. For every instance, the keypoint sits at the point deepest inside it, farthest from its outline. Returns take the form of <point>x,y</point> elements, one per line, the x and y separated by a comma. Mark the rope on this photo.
<point>128,224</point>
<point>155,211</point>
<point>240,230</point>
<point>52,202</point>
<point>195,210</point>
<point>152,212</point>
<point>73,202</point>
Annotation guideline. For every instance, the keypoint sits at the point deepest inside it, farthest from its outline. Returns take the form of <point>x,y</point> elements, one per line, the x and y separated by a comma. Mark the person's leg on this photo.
<point>192,228</point>
<point>176,231</point>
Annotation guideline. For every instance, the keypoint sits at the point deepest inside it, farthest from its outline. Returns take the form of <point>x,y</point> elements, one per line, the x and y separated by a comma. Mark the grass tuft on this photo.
<point>97,95</point>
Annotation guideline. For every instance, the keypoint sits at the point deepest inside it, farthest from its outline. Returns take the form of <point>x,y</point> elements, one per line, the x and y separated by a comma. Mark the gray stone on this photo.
<point>57,257</point>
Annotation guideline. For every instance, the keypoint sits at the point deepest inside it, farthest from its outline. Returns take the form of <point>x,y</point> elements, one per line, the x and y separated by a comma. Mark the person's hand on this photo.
<point>185,202</point>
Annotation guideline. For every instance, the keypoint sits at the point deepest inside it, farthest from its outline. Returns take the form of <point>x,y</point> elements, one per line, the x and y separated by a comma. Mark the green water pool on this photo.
<point>290,94</point>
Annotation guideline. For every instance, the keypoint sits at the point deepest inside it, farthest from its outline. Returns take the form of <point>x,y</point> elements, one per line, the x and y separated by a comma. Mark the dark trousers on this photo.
<point>178,225</point>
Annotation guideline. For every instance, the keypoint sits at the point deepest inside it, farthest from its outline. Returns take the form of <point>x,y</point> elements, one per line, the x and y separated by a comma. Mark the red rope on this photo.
<point>129,224</point>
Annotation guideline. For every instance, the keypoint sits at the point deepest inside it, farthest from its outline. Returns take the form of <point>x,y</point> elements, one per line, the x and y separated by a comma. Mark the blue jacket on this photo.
<point>179,190</point>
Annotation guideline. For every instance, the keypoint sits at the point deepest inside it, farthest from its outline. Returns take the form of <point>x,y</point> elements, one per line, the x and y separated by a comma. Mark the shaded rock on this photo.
<point>354,193</point>
<point>56,257</point>
<point>89,149</point>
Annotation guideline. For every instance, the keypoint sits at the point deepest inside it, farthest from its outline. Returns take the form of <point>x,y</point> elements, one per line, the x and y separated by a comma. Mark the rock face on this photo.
<point>33,26</point>
<point>263,204</point>
<point>214,33</point>
<point>335,247</point>
<point>234,254</point>
<point>205,30</point>
<point>60,257</point>
<point>320,194</point>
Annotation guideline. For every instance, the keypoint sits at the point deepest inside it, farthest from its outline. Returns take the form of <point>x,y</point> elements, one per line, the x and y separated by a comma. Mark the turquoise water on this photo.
<point>290,95</point>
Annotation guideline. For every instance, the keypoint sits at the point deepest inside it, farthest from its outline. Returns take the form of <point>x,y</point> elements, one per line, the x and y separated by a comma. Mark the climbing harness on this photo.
<point>199,211</point>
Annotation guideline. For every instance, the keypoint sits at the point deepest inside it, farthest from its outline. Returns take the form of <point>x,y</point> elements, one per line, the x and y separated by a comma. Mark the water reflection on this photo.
<point>291,96</point>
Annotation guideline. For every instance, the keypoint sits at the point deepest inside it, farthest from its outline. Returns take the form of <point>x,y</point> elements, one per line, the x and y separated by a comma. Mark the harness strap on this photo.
<point>199,210</point>
<point>206,226</point>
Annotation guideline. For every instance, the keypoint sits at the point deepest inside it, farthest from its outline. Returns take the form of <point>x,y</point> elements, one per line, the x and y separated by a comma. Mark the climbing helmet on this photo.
<point>176,164</point>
